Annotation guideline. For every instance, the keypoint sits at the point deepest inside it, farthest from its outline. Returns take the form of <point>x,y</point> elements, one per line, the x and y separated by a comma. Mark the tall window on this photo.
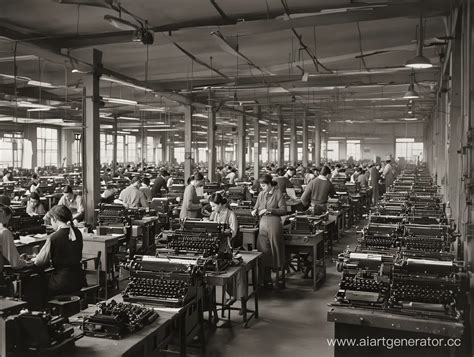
<point>353,149</point>
<point>408,149</point>
<point>150,150</point>
<point>120,149</point>
<point>11,150</point>
<point>333,150</point>
<point>47,140</point>
<point>131,148</point>
<point>106,148</point>
<point>179,154</point>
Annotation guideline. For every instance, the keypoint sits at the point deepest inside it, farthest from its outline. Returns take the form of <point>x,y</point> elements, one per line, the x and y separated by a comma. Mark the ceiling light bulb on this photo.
<point>419,61</point>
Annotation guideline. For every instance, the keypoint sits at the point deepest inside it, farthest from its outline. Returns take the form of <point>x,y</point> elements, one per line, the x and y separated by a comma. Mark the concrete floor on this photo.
<point>292,322</point>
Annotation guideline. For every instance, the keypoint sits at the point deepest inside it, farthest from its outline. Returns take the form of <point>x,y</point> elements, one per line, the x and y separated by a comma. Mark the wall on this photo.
<point>378,138</point>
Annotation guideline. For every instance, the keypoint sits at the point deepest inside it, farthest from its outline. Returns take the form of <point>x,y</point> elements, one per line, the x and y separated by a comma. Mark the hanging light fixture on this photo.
<point>419,61</point>
<point>411,93</point>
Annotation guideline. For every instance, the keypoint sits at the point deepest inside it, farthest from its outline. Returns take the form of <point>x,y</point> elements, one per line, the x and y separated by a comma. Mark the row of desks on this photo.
<point>156,336</point>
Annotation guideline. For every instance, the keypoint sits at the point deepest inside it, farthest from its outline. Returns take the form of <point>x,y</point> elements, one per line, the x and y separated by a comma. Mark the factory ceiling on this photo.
<point>334,60</point>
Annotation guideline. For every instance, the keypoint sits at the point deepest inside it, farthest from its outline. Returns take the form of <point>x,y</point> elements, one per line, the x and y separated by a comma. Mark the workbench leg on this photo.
<point>315,274</point>
<point>182,335</point>
<point>255,270</point>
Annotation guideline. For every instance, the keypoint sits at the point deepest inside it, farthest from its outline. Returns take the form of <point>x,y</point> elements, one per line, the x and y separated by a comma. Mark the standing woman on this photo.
<point>270,207</point>
<point>191,207</point>
<point>63,250</point>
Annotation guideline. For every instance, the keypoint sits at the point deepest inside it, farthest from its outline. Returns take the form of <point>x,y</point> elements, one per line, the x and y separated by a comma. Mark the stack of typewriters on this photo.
<point>405,261</point>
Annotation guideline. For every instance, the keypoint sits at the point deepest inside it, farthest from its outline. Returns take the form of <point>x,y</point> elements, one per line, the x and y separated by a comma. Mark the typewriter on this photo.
<point>164,281</point>
<point>339,183</point>
<point>365,279</point>
<point>244,216</point>
<point>200,239</point>
<point>113,214</point>
<point>427,287</point>
<point>23,224</point>
<point>428,238</point>
<point>306,222</point>
<point>237,194</point>
<point>211,187</point>
<point>176,192</point>
<point>38,330</point>
<point>115,320</point>
<point>380,236</point>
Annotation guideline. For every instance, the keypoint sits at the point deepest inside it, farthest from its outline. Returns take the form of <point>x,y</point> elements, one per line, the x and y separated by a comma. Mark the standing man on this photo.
<point>374,182</point>
<point>191,204</point>
<point>318,191</point>
<point>388,174</point>
<point>283,179</point>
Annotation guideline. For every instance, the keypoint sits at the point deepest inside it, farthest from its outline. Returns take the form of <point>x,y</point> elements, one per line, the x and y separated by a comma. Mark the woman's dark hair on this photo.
<point>198,176</point>
<point>218,199</point>
<point>34,177</point>
<point>146,181</point>
<point>34,196</point>
<point>280,171</point>
<point>267,179</point>
<point>67,189</point>
<point>325,171</point>
<point>61,213</point>
<point>5,211</point>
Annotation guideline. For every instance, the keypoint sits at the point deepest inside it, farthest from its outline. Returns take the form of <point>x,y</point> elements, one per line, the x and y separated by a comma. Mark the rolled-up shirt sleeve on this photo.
<point>44,256</point>
<point>234,224</point>
<point>10,252</point>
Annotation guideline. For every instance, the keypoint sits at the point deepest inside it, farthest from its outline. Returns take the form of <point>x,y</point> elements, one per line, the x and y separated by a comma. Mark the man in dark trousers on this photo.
<point>160,182</point>
<point>318,191</point>
<point>374,182</point>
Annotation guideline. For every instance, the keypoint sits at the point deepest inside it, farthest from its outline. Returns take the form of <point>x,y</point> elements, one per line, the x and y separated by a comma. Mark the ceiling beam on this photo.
<point>255,24</point>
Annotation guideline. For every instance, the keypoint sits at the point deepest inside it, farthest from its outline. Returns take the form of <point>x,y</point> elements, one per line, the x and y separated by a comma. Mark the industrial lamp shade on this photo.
<point>411,93</point>
<point>419,62</point>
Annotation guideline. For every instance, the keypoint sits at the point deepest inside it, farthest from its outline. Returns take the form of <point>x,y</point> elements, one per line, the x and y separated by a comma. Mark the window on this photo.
<point>150,150</point>
<point>131,148</point>
<point>47,140</point>
<point>353,149</point>
<point>11,150</point>
<point>106,148</point>
<point>333,150</point>
<point>120,149</point>
<point>408,149</point>
<point>179,154</point>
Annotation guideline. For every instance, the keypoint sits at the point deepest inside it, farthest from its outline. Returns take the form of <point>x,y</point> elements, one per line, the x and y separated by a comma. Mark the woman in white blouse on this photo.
<point>223,214</point>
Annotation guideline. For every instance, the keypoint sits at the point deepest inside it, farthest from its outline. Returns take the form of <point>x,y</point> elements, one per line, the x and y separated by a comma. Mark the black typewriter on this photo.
<point>38,330</point>
<point>162,280</point>
<point>381,236</point>
<point>427,287</point>
<point>237,193</point>
<point>115,320</point>
<point>200,239</point>
<point>23,224</point>
<point>365,280</point>
<point>244,216</point>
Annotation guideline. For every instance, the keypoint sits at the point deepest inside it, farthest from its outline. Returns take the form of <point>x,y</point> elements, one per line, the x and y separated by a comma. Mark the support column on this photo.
<point>305,141</point>
<point>67,143</point>
<point>188,140</point>
<point>115,145</point>
<point>31,134</point>
<point>164,147</point>
<point>143,140</point>
<point>211,144</point>
<point>317,143</point>
<point>280,141</point>
<point>256,142</point>
<point>241,144</point>
<point>91,139</point>
<point>293,141</point>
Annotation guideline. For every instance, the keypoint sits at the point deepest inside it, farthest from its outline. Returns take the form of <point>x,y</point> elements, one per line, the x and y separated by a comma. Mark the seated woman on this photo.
<point>222,214</point>
<point>34,207</point>
<point>8,252</point>
<point>63,250</point>
<point>73,202</point>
